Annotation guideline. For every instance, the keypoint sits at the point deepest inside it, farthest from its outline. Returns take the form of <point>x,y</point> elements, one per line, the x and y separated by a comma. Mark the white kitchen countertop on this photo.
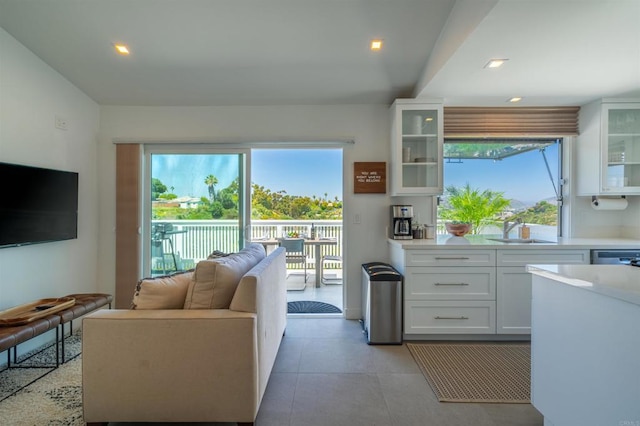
<point>482,242</point>
<point>617,281</point>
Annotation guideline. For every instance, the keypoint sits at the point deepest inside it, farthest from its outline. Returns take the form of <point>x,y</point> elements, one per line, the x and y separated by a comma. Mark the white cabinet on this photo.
<point>513,284</point>
<point>449,292</point>
<point>514,301</point>
<point>472,291</point>
<point>449,317</point>
<point>608,148</point>
<point>416,147</point>
<point>455,258</point>
<point>450,283</point>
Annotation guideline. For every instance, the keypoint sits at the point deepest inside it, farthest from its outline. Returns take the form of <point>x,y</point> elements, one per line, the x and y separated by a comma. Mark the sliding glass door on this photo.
<point>196,204</point>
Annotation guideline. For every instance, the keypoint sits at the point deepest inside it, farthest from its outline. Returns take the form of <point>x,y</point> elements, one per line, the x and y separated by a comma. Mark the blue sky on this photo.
<point>186,172</point>
<point>298,172</point>
<point>523,177</point>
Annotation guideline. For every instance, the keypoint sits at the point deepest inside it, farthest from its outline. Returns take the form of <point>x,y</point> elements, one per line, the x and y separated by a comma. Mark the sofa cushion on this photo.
<point>165,292</point>
<point>215,280</point>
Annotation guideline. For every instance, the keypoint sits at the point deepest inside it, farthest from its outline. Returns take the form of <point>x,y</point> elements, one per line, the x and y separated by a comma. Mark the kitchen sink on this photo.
<point>521,240</point>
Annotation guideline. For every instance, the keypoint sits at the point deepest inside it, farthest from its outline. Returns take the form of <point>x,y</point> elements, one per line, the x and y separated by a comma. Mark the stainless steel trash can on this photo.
<point>381,303</point>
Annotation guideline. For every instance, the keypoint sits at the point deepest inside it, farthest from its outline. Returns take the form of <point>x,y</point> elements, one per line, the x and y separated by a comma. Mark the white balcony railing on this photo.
<point>193,240</point>
<point>189,241</point>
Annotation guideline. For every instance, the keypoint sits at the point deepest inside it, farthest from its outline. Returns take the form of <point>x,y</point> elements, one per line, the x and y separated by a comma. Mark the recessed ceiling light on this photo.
<point>122,49</point>
<point>515,99</point>
<point>495,63</point>
<point>376,44</point>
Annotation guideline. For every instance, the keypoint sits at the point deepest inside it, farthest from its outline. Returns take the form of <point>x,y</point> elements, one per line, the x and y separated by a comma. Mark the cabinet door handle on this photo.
<point>451,318</point>
<point>452,258</point>
<point>450,283</point>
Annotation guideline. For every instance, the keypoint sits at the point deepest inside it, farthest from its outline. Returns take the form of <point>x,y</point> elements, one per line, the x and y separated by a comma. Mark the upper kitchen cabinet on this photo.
<point>608,148</point>
<point>416,147</point>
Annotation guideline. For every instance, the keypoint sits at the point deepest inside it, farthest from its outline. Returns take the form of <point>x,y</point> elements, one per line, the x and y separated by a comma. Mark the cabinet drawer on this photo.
<point>451,258</point>
<point>449,317</point>
<point>472,283</point>
<point>524,257</point>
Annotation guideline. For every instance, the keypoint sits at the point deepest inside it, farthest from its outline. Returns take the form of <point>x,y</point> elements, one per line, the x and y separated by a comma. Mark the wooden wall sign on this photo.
<point>370,178</point>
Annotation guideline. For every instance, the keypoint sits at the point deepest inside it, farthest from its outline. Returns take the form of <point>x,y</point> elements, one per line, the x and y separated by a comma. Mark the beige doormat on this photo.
<point>476,372</point>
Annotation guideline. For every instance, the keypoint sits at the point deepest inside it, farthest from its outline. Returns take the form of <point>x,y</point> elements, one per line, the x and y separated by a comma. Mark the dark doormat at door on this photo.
<point>311,307</point>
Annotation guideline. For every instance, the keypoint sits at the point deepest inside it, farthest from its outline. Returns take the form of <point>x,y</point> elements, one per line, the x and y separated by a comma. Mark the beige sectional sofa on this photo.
<point>196,348</point>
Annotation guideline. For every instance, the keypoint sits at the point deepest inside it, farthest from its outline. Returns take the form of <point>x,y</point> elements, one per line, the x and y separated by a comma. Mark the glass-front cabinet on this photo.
<point>416,147</point>
<point>608,148</point>
<point>621,148</point>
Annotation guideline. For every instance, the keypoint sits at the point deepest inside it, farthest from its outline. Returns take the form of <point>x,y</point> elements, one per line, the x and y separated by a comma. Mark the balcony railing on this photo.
<point>188,241</point>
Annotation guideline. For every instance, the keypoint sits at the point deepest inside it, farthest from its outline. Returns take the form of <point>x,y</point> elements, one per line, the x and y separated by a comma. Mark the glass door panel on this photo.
<point>419,148</point>
<point>416,138</point>
<point>623,147</point>
<point>197,207</point>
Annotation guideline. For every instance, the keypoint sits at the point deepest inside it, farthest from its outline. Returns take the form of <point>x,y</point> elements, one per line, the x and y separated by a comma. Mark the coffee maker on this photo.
<point>401,222</point>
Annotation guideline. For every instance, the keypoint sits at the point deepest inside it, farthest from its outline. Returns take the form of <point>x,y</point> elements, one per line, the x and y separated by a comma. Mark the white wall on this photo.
<point>367,125</point>
<point>590,223</point>
<point>31,95</point>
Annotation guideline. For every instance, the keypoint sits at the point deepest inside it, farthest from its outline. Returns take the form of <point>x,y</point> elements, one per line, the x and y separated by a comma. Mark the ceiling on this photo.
<point>269,52</point>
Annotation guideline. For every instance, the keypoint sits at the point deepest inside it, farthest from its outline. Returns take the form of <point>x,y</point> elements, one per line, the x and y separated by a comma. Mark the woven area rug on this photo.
<point>34,365</point>
<point>311,307</point>
<point>476,372</point>
<point>44,396</point>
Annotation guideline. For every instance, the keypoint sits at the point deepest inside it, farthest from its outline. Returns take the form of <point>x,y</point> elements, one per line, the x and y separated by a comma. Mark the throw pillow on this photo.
<point>217,254</point>
<point>165,292</point>
<point>215,280</point>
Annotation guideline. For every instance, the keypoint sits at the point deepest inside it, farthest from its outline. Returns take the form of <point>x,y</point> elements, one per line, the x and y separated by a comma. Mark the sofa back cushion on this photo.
<point>165,292</point>
<point>215,280</point>
<point>269,274</point>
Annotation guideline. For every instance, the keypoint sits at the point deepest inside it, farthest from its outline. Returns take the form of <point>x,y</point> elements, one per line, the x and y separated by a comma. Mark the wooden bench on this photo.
<point>12,336</point>
<point>85,303</point>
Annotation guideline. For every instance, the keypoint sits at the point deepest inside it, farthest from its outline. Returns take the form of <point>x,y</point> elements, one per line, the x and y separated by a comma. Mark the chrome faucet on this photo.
<point>506,227</point>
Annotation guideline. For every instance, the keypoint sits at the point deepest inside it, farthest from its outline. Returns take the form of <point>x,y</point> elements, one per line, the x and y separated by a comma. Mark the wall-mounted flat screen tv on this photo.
<point>37,205</point>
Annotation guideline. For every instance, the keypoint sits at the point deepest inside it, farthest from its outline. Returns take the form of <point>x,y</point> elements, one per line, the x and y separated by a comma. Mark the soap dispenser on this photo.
<point>524,232</point>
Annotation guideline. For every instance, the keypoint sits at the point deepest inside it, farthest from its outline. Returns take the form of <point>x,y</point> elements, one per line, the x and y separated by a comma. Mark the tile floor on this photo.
<point>326,375</point>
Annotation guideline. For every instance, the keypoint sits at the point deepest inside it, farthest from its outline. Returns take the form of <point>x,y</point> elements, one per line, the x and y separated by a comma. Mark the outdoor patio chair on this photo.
<point>330,280</point>
<point>159,234</point>
<point>295,252</point>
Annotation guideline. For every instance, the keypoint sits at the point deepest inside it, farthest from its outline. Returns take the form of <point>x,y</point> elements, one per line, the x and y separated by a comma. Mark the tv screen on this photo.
<point>37,205</point>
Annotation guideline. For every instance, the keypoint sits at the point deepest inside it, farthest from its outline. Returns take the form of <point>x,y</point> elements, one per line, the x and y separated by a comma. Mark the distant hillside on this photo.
<point>517,205</point>
<point>543,213</point>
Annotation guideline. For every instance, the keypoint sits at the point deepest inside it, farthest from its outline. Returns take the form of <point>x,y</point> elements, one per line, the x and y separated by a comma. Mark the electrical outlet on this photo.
<point>61,123</point>
<point>357,218</point>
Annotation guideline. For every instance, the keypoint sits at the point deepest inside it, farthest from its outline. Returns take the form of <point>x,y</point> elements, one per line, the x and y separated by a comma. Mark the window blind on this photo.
<point>127,222</point>
<point>510,122</point>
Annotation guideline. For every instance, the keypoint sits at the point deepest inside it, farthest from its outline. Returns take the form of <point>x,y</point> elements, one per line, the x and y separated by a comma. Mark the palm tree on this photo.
<point>473,206</point>
<point>211,181</point>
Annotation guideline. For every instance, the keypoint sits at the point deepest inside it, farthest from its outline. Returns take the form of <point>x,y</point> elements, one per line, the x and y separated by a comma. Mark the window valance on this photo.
<point>510,122</point>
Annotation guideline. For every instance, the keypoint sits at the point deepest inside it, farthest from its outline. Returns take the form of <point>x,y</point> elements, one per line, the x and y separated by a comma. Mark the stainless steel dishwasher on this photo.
<point>614,257</point>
